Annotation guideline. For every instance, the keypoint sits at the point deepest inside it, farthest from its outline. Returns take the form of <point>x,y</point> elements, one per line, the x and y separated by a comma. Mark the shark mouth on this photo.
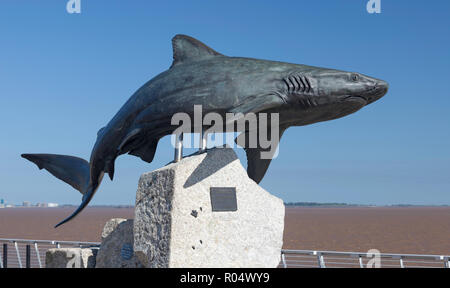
<point>357,98</point>
<point>374,93</point>
<point>369,96</point>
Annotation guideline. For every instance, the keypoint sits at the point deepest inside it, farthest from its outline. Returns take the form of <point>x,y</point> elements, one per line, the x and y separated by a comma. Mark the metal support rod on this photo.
<point>28,256</point>
<point>37,254</point>
<point>178,147</point>
<point>5,255</point>
<point>203,141</point>
<point>283,260</point>
<point>361,264</point>
<point>320,260</point>
<point>18,254</point>
<point>401,263</point>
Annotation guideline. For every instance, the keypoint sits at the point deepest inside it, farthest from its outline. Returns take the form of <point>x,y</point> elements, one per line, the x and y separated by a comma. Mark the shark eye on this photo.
<point>354,77</point>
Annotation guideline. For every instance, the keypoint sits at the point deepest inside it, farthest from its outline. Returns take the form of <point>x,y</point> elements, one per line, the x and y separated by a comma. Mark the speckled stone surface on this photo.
<point>116,250</point>
<point>110,226</point>
<point>175,226</point>
<point>70,258</point>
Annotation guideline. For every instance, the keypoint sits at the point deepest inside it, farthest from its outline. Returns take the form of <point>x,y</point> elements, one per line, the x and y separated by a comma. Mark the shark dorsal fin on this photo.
<point>186,49</point>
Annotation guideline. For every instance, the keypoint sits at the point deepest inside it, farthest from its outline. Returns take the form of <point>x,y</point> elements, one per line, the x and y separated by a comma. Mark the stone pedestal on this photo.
<point>204,211</point>
<point>116,250</point>
<point>70,258</point>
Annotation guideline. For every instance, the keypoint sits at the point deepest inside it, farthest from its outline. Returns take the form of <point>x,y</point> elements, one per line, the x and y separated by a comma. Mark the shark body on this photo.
<point>199,75</point>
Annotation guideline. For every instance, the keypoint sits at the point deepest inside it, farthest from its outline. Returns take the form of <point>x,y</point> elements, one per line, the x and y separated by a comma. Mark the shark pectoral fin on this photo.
<point>258,158</point>
<point>256,167</point>
<point>146,151</point>
<point>72,170</point>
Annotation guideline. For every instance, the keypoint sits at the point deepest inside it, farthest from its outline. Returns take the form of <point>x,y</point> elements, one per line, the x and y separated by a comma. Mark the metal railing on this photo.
<point>335,259</point>
<point>21,253</point>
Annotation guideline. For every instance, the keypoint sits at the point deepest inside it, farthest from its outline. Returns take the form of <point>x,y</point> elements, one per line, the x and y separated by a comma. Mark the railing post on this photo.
<point>18,254</point>
<point>28,256</point>
<point>320,260</point>
<point>37,254</point>
<point>401,263</point>
<point>283,260</point>
<point>5,255</point>
<point>361,264</point>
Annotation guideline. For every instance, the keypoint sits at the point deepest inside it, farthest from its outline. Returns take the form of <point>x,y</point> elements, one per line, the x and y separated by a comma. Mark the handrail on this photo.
<point>360,254</point>
<point>53,242</point>
<point>289,257</point>
<point>283,251</point>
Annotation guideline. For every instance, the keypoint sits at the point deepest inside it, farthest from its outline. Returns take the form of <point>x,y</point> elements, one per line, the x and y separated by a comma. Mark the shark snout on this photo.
<point>378,90</point>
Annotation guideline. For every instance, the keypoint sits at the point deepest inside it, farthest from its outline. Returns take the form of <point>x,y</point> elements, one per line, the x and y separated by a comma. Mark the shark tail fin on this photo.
<point>72,170</point>
<point>86,199</point>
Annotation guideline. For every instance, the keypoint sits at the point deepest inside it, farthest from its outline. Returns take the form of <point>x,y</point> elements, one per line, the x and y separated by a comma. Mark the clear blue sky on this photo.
<point>62,77</point>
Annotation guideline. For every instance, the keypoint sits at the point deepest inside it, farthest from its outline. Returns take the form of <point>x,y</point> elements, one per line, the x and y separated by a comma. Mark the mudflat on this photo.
<point>415,230</point>
<point>406,230</point>
<point>38,223</point>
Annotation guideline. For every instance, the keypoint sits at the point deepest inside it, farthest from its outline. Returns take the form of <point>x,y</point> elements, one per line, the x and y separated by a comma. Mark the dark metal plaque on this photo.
<point>223,199</point>
<point>127,251</point>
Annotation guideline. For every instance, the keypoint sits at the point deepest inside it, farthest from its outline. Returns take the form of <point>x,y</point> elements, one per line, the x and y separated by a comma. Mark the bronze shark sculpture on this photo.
<point>199,75</point>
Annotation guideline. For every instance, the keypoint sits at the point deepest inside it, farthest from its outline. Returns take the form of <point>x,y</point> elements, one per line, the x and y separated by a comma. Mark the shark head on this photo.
<point>325,94</point>
<point>349,87</point>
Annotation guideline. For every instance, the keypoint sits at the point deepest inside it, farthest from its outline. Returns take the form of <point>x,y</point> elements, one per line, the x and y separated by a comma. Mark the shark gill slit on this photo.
<point>289,84</point>
<point>301,86</point>
<point>308,83</point>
